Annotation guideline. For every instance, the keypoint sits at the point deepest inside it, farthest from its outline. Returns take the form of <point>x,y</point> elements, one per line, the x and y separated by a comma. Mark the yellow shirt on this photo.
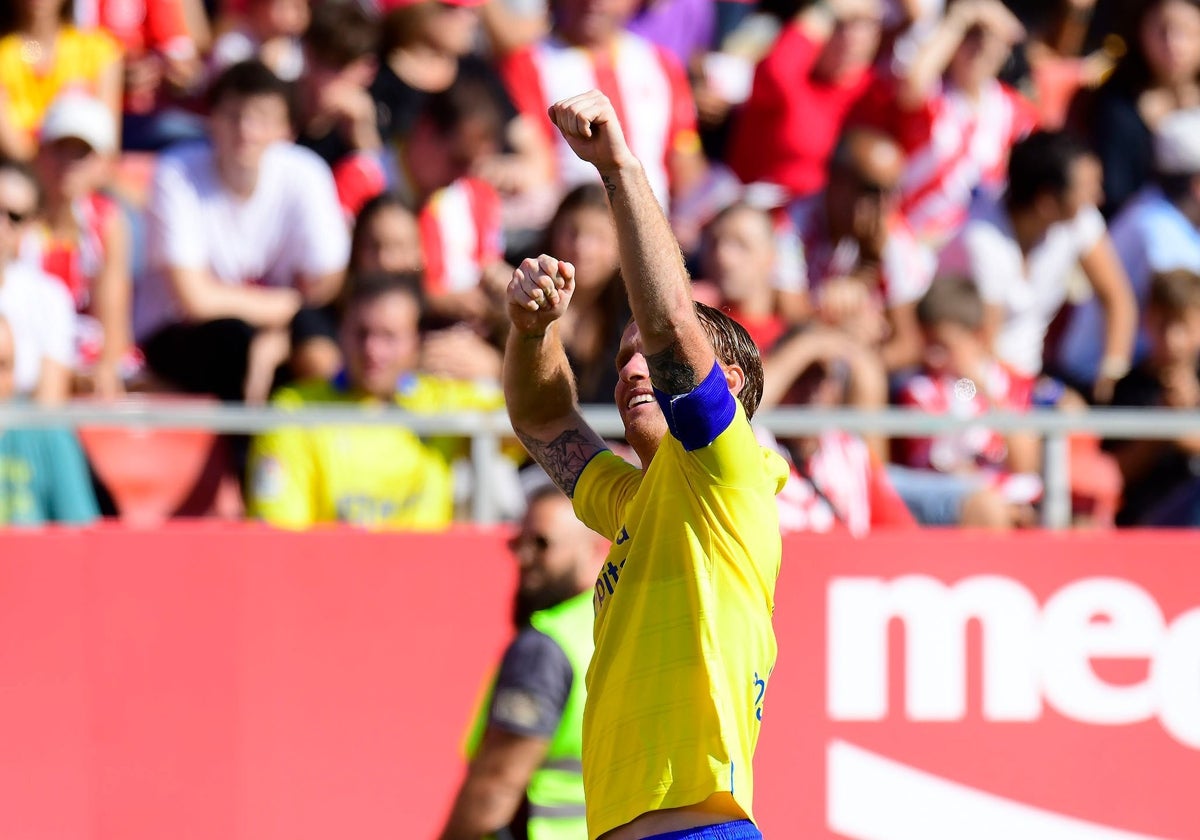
<point>382,477</point>
<point>684,642</point>
<point>80,59</point>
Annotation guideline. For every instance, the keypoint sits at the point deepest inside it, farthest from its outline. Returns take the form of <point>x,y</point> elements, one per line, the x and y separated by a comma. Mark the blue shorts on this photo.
<point>736,830</point>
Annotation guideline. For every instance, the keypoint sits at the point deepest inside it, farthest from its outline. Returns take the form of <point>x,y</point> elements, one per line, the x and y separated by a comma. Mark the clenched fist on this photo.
<point>588,122</point>
<point>539,293</point>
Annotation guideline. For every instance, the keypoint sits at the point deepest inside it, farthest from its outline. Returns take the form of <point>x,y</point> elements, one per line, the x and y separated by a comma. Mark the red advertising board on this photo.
<point>234,682</point>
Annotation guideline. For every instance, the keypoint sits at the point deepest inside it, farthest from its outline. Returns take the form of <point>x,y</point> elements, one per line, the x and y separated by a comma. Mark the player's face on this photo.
<point>645,425</point>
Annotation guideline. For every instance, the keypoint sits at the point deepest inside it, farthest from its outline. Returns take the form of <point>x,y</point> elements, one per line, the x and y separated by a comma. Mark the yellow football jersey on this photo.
<point>80,59</point>
<point>684,641</point>
<point>380,477</point>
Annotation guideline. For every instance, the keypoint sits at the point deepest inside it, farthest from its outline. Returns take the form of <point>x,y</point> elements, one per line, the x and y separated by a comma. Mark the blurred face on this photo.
<point>865,188</point>
<point>852,47</point>
<point>41,9</point>
<point>587,238</point>
<point>593,23</point>
<point>452,29</point>
<point>18,204</point>
<point>550,548</point>
<point>7,349</point>
<point>979,57</point>
<point>287,18</point>
<point>381,342</point>
<point>242,128</point>
<point>951,349</point>
<point>1171,41</point>
<point>1081,189</point>
<point>645,426</point>
<point>1176,339</point>
<point>391,243</point>
<point>739,255</point>
<point>70,168</point>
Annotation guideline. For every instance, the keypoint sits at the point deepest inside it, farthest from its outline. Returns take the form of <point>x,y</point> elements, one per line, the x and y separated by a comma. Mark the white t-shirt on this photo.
<point>1030,290</point>
<point>42,317</point>
<point>291,225</point>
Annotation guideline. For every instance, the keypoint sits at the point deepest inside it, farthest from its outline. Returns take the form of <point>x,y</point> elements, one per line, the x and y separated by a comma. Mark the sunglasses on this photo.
<point>537,542</point>
<point>14,216</point>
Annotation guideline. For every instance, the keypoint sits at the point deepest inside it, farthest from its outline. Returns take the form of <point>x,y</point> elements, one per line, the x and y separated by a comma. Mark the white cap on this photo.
<point>80,115</point>
<point>1177,143</point>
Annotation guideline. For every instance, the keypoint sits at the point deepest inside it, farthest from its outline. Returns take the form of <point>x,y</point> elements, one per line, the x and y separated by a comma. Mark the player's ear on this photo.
<point>735,378</point>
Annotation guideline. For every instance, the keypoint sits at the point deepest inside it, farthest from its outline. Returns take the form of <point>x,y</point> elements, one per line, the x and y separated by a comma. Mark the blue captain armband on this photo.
<point>698,417</point>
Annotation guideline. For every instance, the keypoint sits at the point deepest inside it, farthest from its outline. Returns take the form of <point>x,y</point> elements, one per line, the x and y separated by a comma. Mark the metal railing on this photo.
<point>486,430</point>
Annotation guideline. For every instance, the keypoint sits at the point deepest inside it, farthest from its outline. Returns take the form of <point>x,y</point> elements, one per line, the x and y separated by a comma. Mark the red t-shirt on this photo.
<point>790,124</point>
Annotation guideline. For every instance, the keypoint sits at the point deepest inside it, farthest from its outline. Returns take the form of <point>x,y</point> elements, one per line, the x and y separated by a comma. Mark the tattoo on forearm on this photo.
<point>670,372</point>
<point>610,185</point>
<point>563,458</point>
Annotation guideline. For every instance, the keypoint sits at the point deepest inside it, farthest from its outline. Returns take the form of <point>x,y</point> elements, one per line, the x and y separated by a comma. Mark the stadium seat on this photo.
<point>154,474</point>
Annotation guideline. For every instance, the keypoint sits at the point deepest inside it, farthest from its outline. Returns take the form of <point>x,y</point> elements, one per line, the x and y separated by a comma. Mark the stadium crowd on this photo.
<point>955,206</point>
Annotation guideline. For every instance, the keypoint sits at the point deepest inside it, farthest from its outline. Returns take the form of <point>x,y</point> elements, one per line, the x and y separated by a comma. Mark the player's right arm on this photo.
<point>539,387</point>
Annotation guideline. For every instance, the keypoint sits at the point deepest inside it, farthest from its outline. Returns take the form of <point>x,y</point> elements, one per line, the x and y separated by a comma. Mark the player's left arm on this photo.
<point>495,784</point>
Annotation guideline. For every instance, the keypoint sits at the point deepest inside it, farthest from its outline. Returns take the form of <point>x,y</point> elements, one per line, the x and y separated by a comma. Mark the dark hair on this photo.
<point>1174,292</point>
<point>734,346</point>
<point>384,201</point>
<point>1133,74</point>
<point>340,33</point>
<point>951,300</point>
<point>469,97</point>
<point>10,15</point>
<point>405,25</point>
<point>24,170</point>
<point>741,207</point>
<point>1039,164</point>
<point>251,78</point>
<point>1176,187</point>
<point>588,196</point>
<point>365,289</point>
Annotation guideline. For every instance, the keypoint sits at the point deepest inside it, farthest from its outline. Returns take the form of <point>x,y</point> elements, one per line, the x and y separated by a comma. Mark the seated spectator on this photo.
<point>386,238</point>
<point>43,475</point>
<point>950,115</point>
<point>1159,73</point>
<point>1161,476</point>
<point>372,476</point>
<point>802,92</point>
<point>863,268</point>
<point>960,377</point>
<point>1157,231</point>
<point>1020,250</point>
<point>338,119</point>
<point>162,66</point>
<point>427,47</point>
<point>837,483</point>
<point>582,233</point>
<point>268,31</point>
<point>40,313</point>
<point>41,55</point>
<point>649,88</point>
<point>245,240</point>
<point>742,266</point>
<point>82,238</point>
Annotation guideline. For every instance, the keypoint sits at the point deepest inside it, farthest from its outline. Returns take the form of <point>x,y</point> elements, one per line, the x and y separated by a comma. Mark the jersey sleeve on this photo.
<point>606,485</point>
<point>532,687</point>
<point>282,485</point>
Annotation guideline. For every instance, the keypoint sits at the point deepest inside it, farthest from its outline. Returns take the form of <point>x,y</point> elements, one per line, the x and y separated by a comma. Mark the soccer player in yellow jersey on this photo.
<point>684,642</point>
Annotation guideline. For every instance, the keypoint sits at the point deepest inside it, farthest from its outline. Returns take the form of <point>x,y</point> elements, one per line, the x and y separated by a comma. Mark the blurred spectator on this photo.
<point>743,261</point>
<point>40,313</point>
<point>647,86</point>
<point>802,93</point>
<point>1163,476</point>
<point>1020,251</point>
<point>162,64</point>
<point>43,475</point>
<point>953,119</point>
<point>685,28</point>
<point>386,238</point>
<point>41,55</point>
<point>531,722</point>
<point>863,268</point>
<point>373,476</point>
<point>837,483</point>
<point>959,377</point>
<point>245,239</point>
<point>338,119</point>
<point>269,31</point>
<point>427,48</point>
<point>583,234</point>
<point>1160,73</point>
<point>462,237</point>
<point>1157,231</point>
<point>83,239</point>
